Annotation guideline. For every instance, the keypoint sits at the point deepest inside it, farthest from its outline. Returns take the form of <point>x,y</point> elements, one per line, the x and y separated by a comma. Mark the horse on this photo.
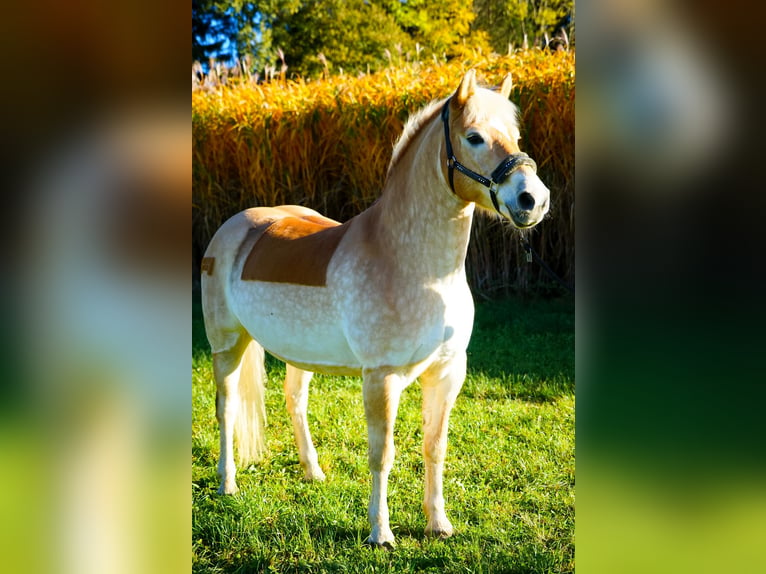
<point>383,295</point>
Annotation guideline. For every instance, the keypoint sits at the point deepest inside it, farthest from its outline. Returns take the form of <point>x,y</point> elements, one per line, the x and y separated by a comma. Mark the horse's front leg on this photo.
<point>441,384</point>
<point>381,402</point>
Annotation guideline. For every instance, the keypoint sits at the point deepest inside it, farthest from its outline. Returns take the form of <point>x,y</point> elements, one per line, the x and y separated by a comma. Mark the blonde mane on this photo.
<point>412,128</point>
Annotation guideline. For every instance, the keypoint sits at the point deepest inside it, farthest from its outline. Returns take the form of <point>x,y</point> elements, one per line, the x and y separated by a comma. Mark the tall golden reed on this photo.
<point>326,144</point>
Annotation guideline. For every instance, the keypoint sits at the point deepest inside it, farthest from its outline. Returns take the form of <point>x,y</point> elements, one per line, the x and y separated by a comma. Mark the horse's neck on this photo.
<point>421,222</point>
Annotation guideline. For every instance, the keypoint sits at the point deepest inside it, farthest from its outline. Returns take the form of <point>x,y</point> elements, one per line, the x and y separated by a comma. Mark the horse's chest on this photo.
<point>418,324</point>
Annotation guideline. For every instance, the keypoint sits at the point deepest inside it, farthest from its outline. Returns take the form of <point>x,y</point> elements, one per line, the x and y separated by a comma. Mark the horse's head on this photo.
<point>482,141</point>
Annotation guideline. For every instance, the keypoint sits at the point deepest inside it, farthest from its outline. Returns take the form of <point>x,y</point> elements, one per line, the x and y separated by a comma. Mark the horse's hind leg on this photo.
<point>227,368</point>
<point>297,399</point>
<point>441,384</point>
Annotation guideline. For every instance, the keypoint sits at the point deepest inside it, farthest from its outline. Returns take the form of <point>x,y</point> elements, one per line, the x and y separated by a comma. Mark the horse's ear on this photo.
<point>505,88</point>
<point>466,88</point>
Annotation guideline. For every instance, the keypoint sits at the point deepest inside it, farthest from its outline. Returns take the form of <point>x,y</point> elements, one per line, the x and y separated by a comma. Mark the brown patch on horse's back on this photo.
<point>293,250</point>
<point>207,265</point>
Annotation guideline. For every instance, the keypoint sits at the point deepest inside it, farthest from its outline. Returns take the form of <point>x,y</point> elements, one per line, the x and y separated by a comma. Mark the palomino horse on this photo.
<point>383,295</point>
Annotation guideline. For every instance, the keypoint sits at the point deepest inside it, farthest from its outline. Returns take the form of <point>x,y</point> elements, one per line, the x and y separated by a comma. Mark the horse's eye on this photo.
<point>475,139</point>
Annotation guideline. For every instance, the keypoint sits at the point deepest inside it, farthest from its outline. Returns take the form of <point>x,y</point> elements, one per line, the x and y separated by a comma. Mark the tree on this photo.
<point>210,29</point>
<point>231,29</point>
<point>357,35</point>
<point>354,35</point>
<point>511,22</point>
<point>440,27</point>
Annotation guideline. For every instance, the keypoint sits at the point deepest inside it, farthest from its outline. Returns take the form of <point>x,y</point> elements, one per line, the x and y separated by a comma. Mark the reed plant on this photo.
<point>326,144</point>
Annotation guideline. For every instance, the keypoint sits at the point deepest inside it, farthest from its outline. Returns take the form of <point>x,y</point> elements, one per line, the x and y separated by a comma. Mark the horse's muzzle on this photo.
<point>527,203</point>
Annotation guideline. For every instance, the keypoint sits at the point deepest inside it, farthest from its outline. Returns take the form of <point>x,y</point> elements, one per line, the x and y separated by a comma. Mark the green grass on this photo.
<point>509,476</point>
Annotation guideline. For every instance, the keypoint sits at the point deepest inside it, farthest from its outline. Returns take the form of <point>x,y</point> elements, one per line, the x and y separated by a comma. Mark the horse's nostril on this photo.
<point>526,201</point>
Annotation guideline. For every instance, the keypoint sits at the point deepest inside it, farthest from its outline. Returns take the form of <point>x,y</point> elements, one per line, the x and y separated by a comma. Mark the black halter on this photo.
<point>502,171</point>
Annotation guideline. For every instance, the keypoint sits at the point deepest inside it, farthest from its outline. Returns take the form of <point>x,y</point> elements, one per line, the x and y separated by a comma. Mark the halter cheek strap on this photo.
<point>510,164</point>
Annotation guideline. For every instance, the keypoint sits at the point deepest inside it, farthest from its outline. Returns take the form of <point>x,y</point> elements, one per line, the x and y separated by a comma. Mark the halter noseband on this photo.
<point>510,164</point>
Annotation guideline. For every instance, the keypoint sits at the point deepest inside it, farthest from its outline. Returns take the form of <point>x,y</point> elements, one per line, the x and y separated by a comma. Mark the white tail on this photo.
<point>251,422</point>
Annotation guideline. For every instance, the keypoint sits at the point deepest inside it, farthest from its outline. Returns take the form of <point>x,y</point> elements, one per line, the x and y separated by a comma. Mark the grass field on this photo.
<point>509,476</point>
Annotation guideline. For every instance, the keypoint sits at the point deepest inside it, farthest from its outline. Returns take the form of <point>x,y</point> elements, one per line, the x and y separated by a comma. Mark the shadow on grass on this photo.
<point>522,348</point>
<point>524,337</point>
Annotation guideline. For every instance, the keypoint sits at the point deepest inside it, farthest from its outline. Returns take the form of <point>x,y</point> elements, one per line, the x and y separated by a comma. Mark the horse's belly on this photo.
<point>297,324</point>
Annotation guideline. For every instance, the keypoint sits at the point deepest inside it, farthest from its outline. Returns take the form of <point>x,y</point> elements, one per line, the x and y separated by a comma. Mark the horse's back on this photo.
<point>294,249</point>
<point>243,230</point>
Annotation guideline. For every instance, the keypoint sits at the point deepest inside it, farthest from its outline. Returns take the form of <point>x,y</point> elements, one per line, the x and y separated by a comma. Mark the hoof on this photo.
<point>313,475</point>
<point>389,546</point>
<point>228,489</point>
<point>440,534</point>
<point>441,531</point>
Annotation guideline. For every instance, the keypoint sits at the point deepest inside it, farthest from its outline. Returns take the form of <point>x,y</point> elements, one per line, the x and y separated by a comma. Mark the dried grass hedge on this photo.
<point>326,144</point>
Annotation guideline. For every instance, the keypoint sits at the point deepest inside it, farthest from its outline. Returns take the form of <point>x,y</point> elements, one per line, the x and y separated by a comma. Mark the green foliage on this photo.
<point>353,35</point>
<point>439,27</point>
<point>311,36</point>
<point>236,22</point>
<point>509,477</point>
<point>509,22</point>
